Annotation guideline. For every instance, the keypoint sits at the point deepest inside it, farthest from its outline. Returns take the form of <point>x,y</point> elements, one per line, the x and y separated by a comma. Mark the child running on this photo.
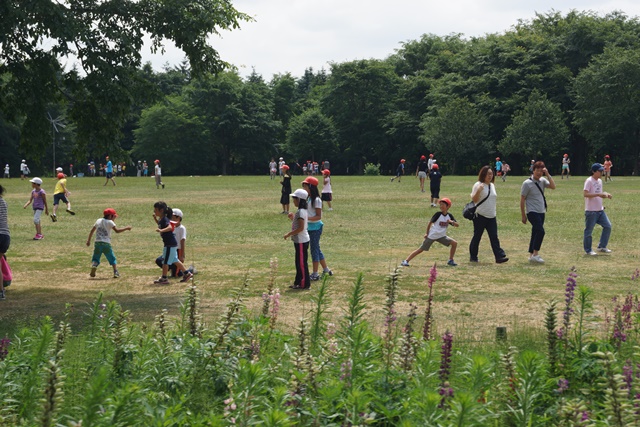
<point>437,232</point>
<point>39,200</point>
<point>102,245</point>
<point>399,170</point>
<point>61,193</point>
<point>300,238</point>
<point>162,216</point>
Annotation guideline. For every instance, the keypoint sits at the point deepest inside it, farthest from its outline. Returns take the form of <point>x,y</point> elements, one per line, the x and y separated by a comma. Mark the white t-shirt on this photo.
<point>103,230</point>
<point>181,233</point>
<point>430,163</point>
<point>488,208</point>
<point>158,170</point>
<point>593,186</point>
<point>303,236</point>
<point>326,188</point>
<point>440,223</point>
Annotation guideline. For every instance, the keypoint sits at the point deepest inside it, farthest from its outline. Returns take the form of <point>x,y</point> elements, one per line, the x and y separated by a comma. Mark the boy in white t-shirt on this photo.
<point>102,228</point>
<point>437,232</point>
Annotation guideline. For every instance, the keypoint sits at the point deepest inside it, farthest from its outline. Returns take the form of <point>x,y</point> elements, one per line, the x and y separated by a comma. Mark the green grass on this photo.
<point>234,229</point>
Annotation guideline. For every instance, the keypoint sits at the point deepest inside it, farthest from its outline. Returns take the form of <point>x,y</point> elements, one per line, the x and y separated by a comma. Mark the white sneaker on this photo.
<point>404,263</point>
<point>592,253</point>
<point>605,250</point>
<point>536,259</point>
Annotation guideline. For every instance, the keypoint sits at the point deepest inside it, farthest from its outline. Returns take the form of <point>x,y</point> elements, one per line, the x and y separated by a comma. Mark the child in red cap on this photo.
<point>102,228</point>
<point>60,193</point>
<point>437,232</point>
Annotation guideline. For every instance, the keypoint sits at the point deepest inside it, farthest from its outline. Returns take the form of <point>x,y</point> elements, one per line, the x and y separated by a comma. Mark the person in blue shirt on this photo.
<point>108,169</point>
<point>399,171</point>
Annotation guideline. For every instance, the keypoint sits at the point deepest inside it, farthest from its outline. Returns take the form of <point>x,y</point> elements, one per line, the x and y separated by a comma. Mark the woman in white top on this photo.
<point>485,218</point>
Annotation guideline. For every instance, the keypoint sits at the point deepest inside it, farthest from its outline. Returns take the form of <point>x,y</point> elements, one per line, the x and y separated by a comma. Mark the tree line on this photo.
<point>555,84</point>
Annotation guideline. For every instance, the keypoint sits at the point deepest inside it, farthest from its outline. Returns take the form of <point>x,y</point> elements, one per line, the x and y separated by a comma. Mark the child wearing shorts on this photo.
<point>327,192</point>
<point>102,228</point>
<point>60,193</point>
<point>437,232</point>
<point>162,215</point>
<point>39,200</point>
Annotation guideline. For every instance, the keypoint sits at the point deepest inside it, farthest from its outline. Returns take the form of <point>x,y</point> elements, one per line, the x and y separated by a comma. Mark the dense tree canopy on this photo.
<point>554,84</point>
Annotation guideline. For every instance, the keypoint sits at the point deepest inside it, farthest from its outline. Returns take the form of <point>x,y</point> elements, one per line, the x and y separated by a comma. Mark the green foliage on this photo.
<point>537,131</point>
<point>311,134</point>
<point>372,170</point>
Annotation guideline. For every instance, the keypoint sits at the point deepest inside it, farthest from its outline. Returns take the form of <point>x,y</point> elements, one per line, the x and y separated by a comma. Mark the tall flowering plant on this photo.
<point>445,368</point>
<point>569,295</point>
<point>428,315</point>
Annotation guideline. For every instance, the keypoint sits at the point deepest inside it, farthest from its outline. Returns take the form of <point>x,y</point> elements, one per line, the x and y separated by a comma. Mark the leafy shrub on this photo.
<point>372,170</point>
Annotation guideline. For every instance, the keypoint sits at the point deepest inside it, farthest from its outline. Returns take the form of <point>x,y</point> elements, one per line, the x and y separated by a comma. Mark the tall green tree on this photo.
<point>104,37</point>
<point>537,131</point>
<point>457,133</point>
<point>607,97</point>
<point>311,135</point>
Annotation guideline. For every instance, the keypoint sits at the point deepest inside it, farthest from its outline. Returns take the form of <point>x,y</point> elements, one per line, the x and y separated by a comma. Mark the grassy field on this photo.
<point>235,227</point>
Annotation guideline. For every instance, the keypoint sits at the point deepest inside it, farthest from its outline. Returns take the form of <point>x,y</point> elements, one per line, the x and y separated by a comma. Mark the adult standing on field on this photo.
<point>532,198</point>
<point>108,169</point>
<point>24,170</point>
<point>421,171</point>
<point>594,211</point>
<point>484,196</point>
<point>158,174</point>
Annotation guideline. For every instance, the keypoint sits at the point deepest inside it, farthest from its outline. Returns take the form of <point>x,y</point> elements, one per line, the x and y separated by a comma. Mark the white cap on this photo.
<point>23,160</point>
<point>58,169</point>
<point>177,212</point>
<point>300,194</point>
<point>279,159</point>
<point>36,180</point>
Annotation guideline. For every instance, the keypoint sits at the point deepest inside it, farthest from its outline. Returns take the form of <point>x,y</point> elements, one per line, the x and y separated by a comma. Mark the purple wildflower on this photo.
<point>627,375</point>
<point>445,367</point>
<point>4,347</point>
<point>345,372</point>
<point>428,315</point>
<point>563,385</point>
<point>585,416</point>
<point>569,295</point>
<point>635,274</point>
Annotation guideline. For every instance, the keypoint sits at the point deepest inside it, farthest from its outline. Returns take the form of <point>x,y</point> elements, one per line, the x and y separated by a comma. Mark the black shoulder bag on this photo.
<point>469,210</point>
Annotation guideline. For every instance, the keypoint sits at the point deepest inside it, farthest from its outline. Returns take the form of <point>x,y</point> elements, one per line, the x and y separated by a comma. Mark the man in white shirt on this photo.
<point>594,211</point>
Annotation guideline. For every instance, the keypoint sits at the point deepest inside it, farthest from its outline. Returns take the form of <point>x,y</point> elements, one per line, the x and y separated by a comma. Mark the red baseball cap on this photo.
<point>435,166</point>
<point>311,180</point>
<point>109,211</point>
<point>326,172</point>
<point>60,175</point>
<point>445,200</point>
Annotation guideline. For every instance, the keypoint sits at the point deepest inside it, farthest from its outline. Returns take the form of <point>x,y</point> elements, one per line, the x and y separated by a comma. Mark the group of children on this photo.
<point>38,200</point>
<point>327,192</point>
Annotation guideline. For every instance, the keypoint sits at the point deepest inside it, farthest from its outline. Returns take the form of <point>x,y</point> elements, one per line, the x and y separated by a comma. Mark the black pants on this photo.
<point>481,223</point>
<point>537,230</point>
<point>302,265</point>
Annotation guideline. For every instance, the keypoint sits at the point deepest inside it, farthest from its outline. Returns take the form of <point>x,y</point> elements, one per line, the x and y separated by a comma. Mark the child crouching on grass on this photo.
<point>437,232</point>
<point>300,238</point>
<point>162,216</point>
<point>102,228</point>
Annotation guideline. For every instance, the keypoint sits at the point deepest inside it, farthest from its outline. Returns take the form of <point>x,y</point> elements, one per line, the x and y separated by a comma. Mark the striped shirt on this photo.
<point>4,219</point>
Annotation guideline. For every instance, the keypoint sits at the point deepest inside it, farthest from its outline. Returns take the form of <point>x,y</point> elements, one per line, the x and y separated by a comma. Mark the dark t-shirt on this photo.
<point>422,166</point>
<point>168,238</point>
<point>435,177</point>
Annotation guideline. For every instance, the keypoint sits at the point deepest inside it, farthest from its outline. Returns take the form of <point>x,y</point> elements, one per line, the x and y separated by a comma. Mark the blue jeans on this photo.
<point>591,218</point>
<point>536,220</point>
<point>314,245</point>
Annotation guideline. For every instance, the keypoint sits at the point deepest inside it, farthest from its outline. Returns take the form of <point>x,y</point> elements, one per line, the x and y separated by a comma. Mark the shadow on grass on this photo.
<point>23,307</point>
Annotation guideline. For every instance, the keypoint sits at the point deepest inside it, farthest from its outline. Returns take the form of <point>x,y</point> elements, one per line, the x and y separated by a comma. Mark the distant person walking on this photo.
<point>158,174</point>
<point>281,163</point>
<point>108,169</point>
<point>435,178</point>
<point>498,167</point>
<point>399,170</point>
<point>532,200</point>
<point>565,166</point>
<point>39,201</point>
<point>607,168</point>
<point>145,169</point>
<point>24,170</point>
<point>505,170</point>
<point>484,196</point>
<point>139,169</point>
<point>421,171</point>
<point>273,168</point>
<point>6,171</point>
<point>594,211</point>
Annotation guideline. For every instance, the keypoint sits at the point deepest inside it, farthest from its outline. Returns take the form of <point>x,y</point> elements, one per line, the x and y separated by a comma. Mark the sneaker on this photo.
<point>452,263</point>
<point>474,260</point>
<point>116,274</point>
<point>54,218</point>
<point>604,250</point>
<point>38,237</point>
<point>192,269</point>
<point>330,209</point>
<point>592,253</point>
<point>327,272</point>
<point>70,212</point>
<point>161,281</point>
<point>404,263</point>
<point>163,186</point>
<point>502,260</point>
<point>536,259</point>
<point>186,276</point>
<point>314,276</point>
<point>93,272</point>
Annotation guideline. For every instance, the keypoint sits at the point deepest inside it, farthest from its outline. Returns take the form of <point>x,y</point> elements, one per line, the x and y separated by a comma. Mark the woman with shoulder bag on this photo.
<point>485,218</point>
